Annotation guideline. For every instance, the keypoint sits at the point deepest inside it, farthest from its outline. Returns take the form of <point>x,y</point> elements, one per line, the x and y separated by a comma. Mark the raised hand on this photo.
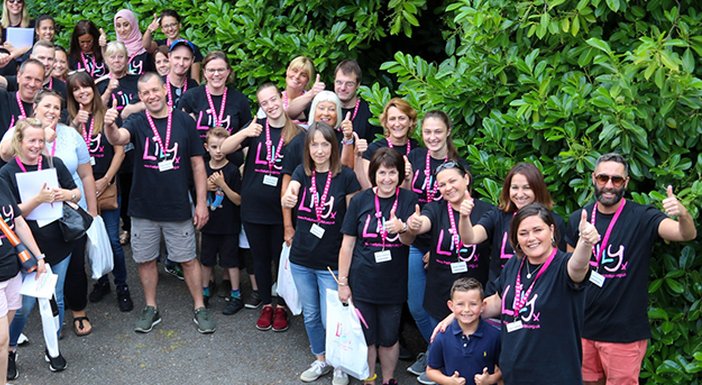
<point>408,168</point>
<point>671,204</point>
<point>588,232</point>
<point>361,144</point>
<point>347,126</point>
<point>414,222</point>
<point>393,225</point>
<point>289,199</point>
<point>111,116</point>
<point>254,129</point>
<point>317,87</point>
<point>467,207</point>
<point>153,26</point>
<point>102,40</point>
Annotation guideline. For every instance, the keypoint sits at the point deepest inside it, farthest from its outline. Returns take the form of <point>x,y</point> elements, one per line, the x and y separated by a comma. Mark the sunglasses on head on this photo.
<point>617,181</point>
<point>449,165</point>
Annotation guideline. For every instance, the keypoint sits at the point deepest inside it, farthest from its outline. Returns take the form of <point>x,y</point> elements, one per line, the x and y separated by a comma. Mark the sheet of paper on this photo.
<point>29,184</point>
<point>39,288</point>
<point>20,37</point>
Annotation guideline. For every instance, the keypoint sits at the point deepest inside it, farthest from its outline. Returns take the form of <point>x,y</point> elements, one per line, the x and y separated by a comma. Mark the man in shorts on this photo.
<point>171,153</point>
<point>616,330</point>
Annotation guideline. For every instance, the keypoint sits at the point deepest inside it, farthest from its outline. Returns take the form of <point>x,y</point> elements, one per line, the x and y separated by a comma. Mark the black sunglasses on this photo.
<point>449,164</point>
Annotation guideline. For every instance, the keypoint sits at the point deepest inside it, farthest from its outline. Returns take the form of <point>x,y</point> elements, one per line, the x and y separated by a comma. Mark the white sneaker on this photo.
<point>22,339</point>
<point>340,378</point>
<point>316,370</point>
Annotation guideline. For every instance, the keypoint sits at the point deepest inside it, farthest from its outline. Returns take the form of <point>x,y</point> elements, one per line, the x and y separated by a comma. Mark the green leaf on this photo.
<point>613,5</point>
<point>599,44</point>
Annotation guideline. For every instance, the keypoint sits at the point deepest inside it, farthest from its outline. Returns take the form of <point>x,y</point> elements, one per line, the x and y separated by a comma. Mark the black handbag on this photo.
<point>75,222</point>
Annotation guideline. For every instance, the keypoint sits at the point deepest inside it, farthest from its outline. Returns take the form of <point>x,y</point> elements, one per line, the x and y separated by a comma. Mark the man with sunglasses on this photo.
<point>616,329</point>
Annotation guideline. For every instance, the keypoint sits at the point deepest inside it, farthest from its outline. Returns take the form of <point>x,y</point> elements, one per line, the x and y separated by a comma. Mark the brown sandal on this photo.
<point>79,326</point>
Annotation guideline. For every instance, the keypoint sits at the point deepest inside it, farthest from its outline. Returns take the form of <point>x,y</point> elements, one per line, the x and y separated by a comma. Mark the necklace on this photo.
<point>529,273</point>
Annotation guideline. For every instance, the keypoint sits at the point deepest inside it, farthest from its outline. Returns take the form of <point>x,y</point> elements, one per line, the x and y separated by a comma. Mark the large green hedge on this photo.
<point>554,82</point>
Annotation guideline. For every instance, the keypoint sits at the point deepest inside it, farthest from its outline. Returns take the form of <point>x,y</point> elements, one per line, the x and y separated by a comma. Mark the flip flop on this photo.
<point>79,326</point>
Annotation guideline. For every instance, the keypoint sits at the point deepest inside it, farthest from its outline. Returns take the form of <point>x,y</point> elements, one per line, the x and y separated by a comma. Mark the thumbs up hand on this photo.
<point>102,40</point>
<point>394,225</point>
<point>317,87</point>
<point>588,232</point>
<point>671,204</point>
<point>467,207</point>
<point>408,167</point>
<point>361,144</point>
<point>414,222</point>
<point>481,378</point>
<point>289,200</point>
<point>347,126</point>
<point>456,379</point>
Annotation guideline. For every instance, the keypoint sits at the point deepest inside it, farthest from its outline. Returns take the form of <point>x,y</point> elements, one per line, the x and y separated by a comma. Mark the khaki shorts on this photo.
<point>146,240</point>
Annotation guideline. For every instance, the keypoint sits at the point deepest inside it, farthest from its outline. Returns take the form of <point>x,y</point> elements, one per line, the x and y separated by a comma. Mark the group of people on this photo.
<point>368,211</point>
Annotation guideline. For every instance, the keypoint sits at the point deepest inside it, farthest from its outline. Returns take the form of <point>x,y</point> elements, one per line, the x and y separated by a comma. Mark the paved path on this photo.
<point>174,352</point>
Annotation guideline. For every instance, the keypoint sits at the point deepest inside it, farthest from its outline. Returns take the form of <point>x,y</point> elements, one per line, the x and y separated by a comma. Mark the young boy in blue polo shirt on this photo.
<point>467,353</point>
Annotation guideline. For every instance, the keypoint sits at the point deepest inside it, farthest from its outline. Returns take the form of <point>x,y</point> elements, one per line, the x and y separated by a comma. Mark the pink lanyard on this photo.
<point>519,300</point>
<point>355,109</point>
<point>407,151</point>
<point>605,240</point>
<point>92,69</point>
<point>170,93</point>
<point>51,82</point>
<point>88,134</point>
<point>379,215</point>
<point>431,190</point>
<point>24,169</point>
<point>272,157</point>
<point>454,230</point>
<point>169,121</point>
<point>218,117</point>
<point>23,113</point>
<point>319,203</point>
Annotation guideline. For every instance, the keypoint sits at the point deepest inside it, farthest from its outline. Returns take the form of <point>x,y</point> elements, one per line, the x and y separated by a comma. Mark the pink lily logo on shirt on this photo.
<point>612,264</point>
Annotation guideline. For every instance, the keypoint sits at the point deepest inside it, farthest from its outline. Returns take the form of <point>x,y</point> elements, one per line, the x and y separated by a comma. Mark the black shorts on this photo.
<point>226,246</point>
<point>383,322</point>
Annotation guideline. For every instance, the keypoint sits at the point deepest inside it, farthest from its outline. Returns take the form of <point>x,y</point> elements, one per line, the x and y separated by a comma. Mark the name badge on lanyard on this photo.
<point>383,256</point>
<point>317,231</point>
<point>270,180</point>
<point>459,267</point>
<point>165,165</point>
<point>514,326</point>
<point>597,278</point>
<point>92,161</point>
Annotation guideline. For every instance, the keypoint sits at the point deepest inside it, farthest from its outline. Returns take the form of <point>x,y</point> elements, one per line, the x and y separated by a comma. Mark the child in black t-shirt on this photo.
<point>220,236</point>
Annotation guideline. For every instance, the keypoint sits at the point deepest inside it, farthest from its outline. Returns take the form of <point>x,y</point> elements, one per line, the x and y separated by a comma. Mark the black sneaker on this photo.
<point>124,300</point>
<point>12,372</point>
<point>253,302</point>
<point>233,306</point>
<point>100,290</point>
<point>56,364</point>
<point>175,271</point>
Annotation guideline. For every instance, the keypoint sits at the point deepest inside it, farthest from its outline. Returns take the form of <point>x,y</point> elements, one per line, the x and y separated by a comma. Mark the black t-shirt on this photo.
<point>361,126</point>
<point>9,263</point>
<point>225,219</point>
<point>371,281</point>
<point>307,249</point>
<point>101,153</point>
<point>552,321</point>
<point>440,275</point>
<point>126,93</point>
<point>95,68</point>
<point>425,188</point>
<point>177,92</point>
<point>162,195</point>
<point>617,312</point>
<point>11,111</point>
<point>10,69</point>
<point>237,111</point>
<point>49,238</point>
<point>383,143</point>
<point>141,64</point>
<point>294,152</point>
<point>260,191</point>
<point>197,56</point>
<point>496,224</point>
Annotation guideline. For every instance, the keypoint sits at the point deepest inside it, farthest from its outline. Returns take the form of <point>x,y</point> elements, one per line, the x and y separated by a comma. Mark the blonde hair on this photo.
<point>305,64</point>
<point>5,21</point>
<point>18,135</point>
<point>114,47</point>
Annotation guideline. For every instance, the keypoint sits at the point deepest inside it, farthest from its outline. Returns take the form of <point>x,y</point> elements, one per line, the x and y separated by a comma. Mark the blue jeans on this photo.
<point>416,283</point>
<point>17,325</point>
<point>312,288</point>
<point>111,218</point>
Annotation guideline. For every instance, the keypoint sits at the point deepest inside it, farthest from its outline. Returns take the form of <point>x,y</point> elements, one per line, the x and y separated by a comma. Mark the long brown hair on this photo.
<point>450,147</point>
<point>290,129</point>
<point>97,107</point>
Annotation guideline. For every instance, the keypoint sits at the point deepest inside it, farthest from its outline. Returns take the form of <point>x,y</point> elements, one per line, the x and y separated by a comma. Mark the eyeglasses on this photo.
<point>213,71</point>
<point>449,165</point>
<point>169,26</point>
<point>617,181</point>
<point>339,83</point>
